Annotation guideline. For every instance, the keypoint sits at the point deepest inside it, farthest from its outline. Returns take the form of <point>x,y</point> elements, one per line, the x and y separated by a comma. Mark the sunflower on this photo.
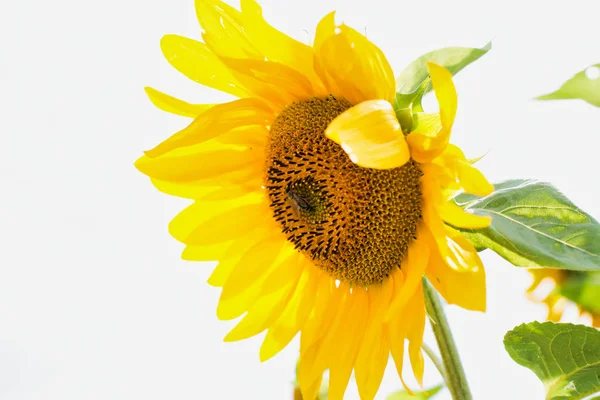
<point>566,286</point>
<point>323,212</point>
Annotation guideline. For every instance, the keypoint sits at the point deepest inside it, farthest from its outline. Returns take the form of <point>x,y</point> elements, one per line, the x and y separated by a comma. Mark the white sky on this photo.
<point>94,301</point>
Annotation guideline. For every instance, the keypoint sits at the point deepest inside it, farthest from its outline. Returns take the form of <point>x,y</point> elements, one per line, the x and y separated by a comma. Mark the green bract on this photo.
<point>424,395</point>
<point>534,225</point>
<point>584,85</point>
<point>565,357</point>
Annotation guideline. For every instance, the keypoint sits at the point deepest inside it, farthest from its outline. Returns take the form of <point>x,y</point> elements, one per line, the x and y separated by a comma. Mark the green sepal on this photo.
<point>580,86</point>
<point>534,225</point>
<point>565,357</point>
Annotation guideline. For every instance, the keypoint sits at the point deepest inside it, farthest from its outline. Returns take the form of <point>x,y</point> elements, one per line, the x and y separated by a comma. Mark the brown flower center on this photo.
<point>355,223</point>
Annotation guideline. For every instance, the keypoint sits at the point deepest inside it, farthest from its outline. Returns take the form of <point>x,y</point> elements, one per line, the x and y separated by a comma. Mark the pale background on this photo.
<point>94,301</point>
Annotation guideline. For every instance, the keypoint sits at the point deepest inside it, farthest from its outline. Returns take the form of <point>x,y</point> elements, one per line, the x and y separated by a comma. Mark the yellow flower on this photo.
<point>323,213</point>
<point>569,281</point>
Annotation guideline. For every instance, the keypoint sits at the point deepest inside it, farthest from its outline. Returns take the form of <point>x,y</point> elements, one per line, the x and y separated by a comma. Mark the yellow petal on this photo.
<point>292,318</point>
<point>314,358</point>
<point>173,105</point>
<point>217,121</point>
<point>473,181</point>
<point>200,190</point>
<point>469,177</point>
<point>269,305</point>
<point>245,281</point>
<point>429,140</point>
<point>464,287</point>
<point>196,61</point>
<point>193,165</point>
<point>232,255</point>
<point>224,30</point>
<point>416,323</point>
<point>364,74</point>
<point>456,216</point>
<point>321,315</point>
<point>374,352</point>
<point>246,136</point>
<point>396,330</point>
<point>346,341</point>
<point>205,253</point>
<point>371,136</point>
<point>277,46</point>
<point>325,29</point>
<point>311,391</point>
<point>276,83</point>
<point>413,268</point>
<point>197,225</point>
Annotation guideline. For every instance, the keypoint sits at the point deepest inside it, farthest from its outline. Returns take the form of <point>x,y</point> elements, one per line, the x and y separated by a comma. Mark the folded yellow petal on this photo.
<point>173,105</point>
<point>428,140</point>
<point>364,74</point>
<point>469,178</point>
<point>465,288</point>
<point>371,135</point>
<point>196,61</point>
<point>456,271</point>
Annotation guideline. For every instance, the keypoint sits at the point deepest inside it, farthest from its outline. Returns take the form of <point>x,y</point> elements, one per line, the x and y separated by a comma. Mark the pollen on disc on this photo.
<point>354,223</point>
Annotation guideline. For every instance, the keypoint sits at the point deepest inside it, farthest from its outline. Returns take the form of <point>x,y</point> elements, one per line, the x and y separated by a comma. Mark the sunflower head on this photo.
<point>324,213</point>
<point>566,287</point>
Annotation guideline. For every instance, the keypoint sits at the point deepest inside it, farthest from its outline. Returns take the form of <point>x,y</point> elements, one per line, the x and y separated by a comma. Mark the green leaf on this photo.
<point>453,58</point>
<point>534,225</point>
<point>424,395</point>
<point>582,288</point>
<point>565,357</point>
<point>584,85</point>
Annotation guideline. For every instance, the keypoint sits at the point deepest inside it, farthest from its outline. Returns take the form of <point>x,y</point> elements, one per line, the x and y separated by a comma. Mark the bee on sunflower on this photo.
<point>323,211</point>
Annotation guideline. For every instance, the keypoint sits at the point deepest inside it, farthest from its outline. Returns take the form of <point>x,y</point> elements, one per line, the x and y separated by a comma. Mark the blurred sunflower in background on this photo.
<point>576,287</point>
<point>324,213</point>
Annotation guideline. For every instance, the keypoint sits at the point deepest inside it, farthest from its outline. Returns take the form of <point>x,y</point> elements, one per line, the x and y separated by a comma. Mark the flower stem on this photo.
<point>453,370</point>
<point>435,359</point>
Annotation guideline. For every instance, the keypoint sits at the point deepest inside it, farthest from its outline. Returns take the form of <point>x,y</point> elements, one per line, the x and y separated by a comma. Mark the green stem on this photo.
<point>435,359</point>
<point>456,380</point>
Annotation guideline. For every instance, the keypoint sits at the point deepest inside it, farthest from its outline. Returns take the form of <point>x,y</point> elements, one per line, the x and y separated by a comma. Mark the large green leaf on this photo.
<point>453,58</point>
<point>584,289</point>
<point>584,85</point>
<point>534,225</point>
<point>565,357</point>
<point>424,395</point>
